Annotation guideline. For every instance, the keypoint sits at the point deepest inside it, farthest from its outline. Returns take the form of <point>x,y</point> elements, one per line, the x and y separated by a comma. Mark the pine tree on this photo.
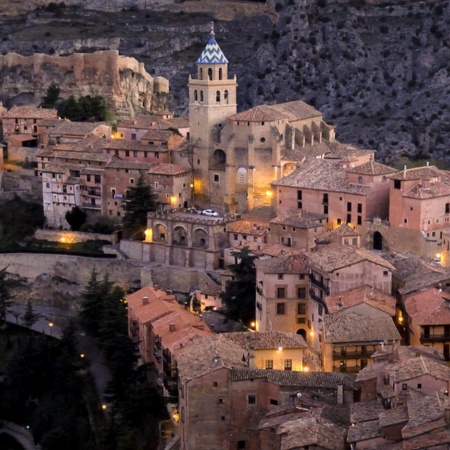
<point>29,317</point>
<point>239,296</point>
<point>92,305</point>
<point>5,297</point>
<point>140,200</point>
<point>51,99</point>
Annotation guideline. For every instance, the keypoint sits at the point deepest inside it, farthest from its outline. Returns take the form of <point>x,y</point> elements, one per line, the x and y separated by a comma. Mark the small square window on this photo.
<point>419,385</point>
<point>273,402</point>
<point>281,293</point>
<point>281,308</point>
<point>215,383</point>
<point>251,399</point>
<point>280,276</point>
<point>216,178</point>
<point>221,400</point>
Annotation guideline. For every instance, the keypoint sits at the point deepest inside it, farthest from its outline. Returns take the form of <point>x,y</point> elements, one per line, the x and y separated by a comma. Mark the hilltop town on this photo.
<point>350,342</point>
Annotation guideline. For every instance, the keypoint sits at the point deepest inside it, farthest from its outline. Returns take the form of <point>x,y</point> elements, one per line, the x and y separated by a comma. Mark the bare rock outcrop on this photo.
<point>123,81</point>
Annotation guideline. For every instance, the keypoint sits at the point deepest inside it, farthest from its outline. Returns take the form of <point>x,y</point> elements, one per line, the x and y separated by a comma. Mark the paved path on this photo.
<point>21,434</point>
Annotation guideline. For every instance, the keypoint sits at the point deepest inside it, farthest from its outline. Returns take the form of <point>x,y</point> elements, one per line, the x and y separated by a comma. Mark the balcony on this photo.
<point>93,192</point>
<point>89,205</point>
<point>441,337</point>
<point>320,285</point>
<point>351,355</point>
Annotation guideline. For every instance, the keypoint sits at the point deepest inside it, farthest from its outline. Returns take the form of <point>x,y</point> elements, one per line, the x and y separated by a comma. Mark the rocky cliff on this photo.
<point>379,70</point>
<point>122,81</point>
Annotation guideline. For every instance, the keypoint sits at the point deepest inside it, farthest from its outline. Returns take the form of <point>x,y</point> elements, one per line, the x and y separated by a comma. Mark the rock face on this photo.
<point>122,81</point>
<point>378,69</point>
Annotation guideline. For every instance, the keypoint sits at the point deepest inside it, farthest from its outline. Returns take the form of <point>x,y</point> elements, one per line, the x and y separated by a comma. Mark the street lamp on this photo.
<point>50,324</point>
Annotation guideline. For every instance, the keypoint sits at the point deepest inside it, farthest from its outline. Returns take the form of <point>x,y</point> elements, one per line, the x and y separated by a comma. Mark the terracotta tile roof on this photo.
<point>435,440</point>
<point>372,168</point>
<point>298,263</point>
<point>74,128</point>
<point>417,367</point>
<point>65,146</point>
<point>256,227</point>
<point>273,250</point>
<point>428,308</point>
<point>157,135</point>
<point>344,230</point>
<point>261,113</point>
<point>30,112</point>
<point>122,144</point>
<point>297,110</point>
<point>304,221</point>
<point>21,137</point>
<point>328,380</point>
<point>364,411</point>
<point>81,156</point>
<point>338,150</point>
<point>267,340</point>
<point>323,175</point>
<point>91,171</point>
<point>208,354</point>
<point>176,122</point>
<point>311,431</point>
<point>419,173</point>
<point>133,165</point>
<point>168,169</point>
<point>372,297</point>
<point>425,414</point>
<point>140,121</point>
<point>364,431</point>
<point>334,256</point>
<point>90,143</point>
<point>438,189</point>
<point>354,328</point>
<point>272,422</point>
<point>393,416</point>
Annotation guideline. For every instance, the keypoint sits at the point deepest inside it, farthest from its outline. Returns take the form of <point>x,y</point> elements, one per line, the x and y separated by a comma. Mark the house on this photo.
<point>66,132</point>
<point>224,402</point>
<point>160,326</point>
<point>336,268</point>
<point>297,230</point>
<point>428,319</point>
<point>348,341</point>
<point>273,349</point>
<point>362,300</point>
<point>25,120</point>
<point>136,151</point>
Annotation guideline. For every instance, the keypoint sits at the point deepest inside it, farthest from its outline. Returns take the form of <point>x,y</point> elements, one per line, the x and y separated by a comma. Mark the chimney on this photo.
<point>145,300</point>
<point>404,172</point>
<point>171,327</point>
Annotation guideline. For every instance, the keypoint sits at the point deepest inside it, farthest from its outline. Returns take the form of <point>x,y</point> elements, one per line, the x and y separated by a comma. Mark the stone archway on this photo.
<point>302,333</point>
<point>180,236</point>
<point>159,233</point>
<point>377,241</point>
<point>200,238</point>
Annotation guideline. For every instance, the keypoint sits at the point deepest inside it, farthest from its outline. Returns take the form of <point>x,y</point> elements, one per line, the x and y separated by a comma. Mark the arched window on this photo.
<point>225,96</point>
<point>195,95</point>
<point>201,96</point>
<point>218,96</point>
<point>220,73</point>
<point>201,73</point>
<point>210,74</point>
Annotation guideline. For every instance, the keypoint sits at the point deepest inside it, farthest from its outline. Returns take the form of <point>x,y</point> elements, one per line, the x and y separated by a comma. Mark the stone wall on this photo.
<point>70,237</point>
<point>123,81</point>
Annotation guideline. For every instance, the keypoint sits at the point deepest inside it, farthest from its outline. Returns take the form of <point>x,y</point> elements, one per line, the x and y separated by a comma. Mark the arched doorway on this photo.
<point>377,241</point>
<point>302,333</point>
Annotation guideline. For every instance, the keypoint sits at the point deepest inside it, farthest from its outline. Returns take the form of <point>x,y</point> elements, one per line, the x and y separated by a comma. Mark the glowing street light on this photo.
<point>50,324</point>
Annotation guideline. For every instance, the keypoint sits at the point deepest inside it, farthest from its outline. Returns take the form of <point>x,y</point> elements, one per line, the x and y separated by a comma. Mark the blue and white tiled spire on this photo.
<point>212,53</point>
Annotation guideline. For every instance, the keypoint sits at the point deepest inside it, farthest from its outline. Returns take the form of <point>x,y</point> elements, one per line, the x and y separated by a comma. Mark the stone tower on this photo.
<point>212,98</point>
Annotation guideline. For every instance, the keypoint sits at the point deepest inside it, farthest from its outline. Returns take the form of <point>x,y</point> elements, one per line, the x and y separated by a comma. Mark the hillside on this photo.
<point>379,71</point>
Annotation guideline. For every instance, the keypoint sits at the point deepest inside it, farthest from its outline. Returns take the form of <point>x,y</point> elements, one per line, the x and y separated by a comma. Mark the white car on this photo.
<point>210,212</point>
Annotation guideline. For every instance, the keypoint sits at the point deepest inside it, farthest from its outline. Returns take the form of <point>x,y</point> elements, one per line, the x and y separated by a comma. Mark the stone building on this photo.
<point>226,403</point>
<point>350,340</point>
<point>184,239</point>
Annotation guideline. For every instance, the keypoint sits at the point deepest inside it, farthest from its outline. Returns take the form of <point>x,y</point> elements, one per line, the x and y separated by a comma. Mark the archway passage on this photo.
<point>302,333</point>
<point>377,241</point>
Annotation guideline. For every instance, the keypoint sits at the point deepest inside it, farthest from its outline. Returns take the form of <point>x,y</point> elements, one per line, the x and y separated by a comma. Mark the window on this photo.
<point>404,386</point>
<point>349,218</point>
<point>281,308</point>
<point>201,96</point>
<point>218,96</point>
<point>215,384</point>
<point>251,399</point>
<point>325,209</point>
<point>385,273</point>
<point>320,311</point>
<point>397,184</point>
<point>349,206</point>
<point>288,364</point>
<point>269,364</point>
<point>360,180</point>
<point>241,445</point>
<point>359,208</point>
<point>359,220</point>
<point>273,402</point>
<point>339,221</point>
<point>405,220</point>
<point>131,180</point>
<point>299,195</point>
<point>301,308</point>
<point>281,292</point>
<point>222,401</point>
<point>195,95</point>
<point>325,198</point>
<point>216,178</point>
<point>419,385</point>
<point>301,292</point>
<point>280,276</point>
<point>447,208</point>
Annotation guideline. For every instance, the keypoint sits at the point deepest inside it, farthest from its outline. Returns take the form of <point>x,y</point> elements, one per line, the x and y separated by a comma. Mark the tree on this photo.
<point>76,218</point>
<point>5,297</point>
<point>29,317</point>
<point>51,99</point>
<point>139,201</point>
<point>70,109</point>
<point>91,305</point>
<point>239,295</point>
